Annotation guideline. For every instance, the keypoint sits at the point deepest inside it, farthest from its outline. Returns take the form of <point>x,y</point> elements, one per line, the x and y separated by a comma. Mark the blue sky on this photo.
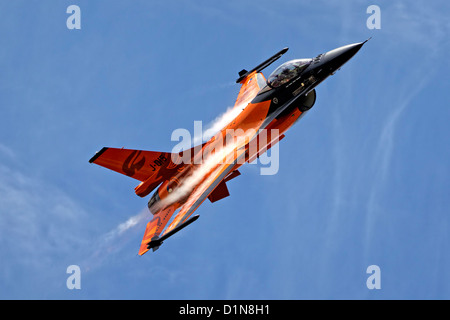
<point>363,178</point>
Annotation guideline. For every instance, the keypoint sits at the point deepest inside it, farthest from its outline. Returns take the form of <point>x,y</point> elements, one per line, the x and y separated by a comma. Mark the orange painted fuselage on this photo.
<point>266,110</point>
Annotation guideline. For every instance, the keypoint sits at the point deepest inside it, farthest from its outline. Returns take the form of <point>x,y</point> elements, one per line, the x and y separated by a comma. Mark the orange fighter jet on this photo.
<point>266,110</point>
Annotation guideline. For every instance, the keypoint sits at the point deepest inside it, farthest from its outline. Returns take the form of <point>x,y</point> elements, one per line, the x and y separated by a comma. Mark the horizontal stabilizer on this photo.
<point>150,167</point>
<point>138,164</point>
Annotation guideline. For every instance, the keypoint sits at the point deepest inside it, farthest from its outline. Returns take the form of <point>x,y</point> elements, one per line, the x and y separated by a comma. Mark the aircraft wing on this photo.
<point>199,194</point>
<point>252,81</point>
<point>155,227</point>
<point>244,73</point>
<point>250,88</point>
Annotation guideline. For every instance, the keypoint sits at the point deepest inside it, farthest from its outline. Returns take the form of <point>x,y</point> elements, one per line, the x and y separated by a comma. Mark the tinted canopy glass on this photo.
<point>287,71</point>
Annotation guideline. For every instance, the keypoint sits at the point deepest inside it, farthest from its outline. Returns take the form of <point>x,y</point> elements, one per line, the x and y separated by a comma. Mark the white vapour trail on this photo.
<point>218,123</point>
<point>212,160</point>
<point>219,156</point>
<point>127,225</point>
<point>113,240</point>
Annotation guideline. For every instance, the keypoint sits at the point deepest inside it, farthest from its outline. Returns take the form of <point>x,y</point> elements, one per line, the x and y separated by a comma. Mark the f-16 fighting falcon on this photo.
<point>266,110</point>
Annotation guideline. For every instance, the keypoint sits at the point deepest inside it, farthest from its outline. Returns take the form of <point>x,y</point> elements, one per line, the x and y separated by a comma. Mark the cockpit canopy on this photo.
<point>287,71</point>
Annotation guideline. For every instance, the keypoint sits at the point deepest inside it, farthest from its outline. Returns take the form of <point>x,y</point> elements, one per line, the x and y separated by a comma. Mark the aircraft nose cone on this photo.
<point>337,57</point>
